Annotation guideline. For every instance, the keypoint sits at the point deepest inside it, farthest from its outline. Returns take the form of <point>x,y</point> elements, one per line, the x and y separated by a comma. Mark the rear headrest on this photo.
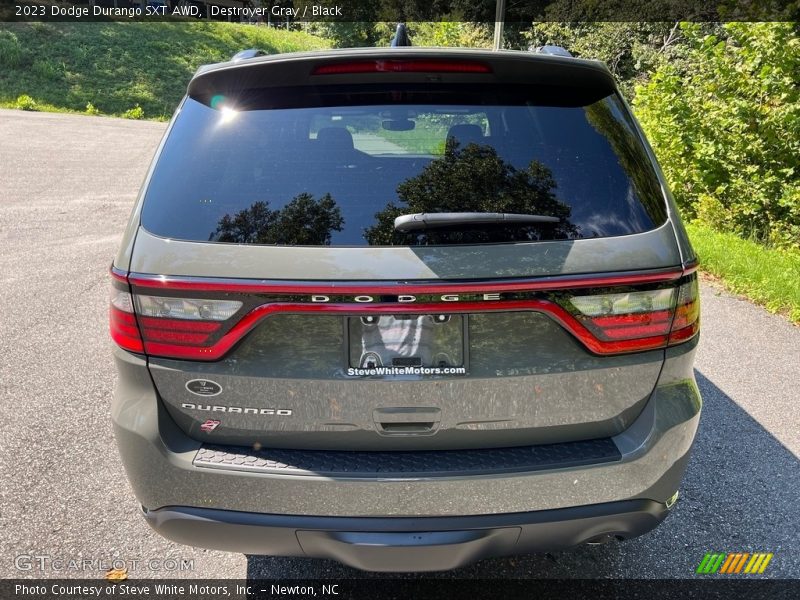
<point>466,134</point>
<point>337,138</point>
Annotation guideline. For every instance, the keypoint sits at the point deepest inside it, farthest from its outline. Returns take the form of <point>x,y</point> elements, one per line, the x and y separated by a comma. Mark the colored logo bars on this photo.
<point>734,562</point>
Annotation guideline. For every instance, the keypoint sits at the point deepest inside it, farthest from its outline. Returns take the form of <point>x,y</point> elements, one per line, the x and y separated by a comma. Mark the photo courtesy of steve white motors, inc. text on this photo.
<point>172,590</point>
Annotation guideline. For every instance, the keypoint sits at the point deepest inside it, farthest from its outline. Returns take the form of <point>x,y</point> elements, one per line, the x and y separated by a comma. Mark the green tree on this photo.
<point>474,179</point>
<point>355,34</point>
<point>630,50</point>
<point>725,124</point>
<point>303,221</point>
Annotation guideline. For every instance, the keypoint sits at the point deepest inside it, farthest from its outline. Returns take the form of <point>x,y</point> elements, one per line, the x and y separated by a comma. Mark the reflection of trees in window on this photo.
<point>475,179</point>
<point>303,221</point>
<point>632,158</point>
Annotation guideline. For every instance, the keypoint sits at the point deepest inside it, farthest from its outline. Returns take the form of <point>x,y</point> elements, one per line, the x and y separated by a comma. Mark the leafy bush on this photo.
<point>25,102</point>
<point>725,124</point>
<point>91,109</point>
<point>354,34</point>
<point>630,50</point>
<point>447,34</point>
<point>134,113</point>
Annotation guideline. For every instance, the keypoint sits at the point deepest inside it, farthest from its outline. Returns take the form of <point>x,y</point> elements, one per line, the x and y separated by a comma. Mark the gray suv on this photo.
<point>404,309</point>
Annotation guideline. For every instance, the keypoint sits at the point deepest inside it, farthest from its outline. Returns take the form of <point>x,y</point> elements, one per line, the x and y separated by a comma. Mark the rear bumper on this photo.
<point>406,544</point>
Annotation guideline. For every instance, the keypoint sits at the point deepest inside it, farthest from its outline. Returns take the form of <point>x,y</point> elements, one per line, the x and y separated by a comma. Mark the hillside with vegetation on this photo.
<point>136,70</point>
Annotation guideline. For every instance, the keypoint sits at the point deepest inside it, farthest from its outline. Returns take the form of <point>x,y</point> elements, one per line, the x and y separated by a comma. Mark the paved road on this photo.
<point>66,186</point>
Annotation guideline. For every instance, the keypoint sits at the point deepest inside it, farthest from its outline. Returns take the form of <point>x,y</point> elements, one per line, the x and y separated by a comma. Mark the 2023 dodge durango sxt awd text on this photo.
<point>404,309</point>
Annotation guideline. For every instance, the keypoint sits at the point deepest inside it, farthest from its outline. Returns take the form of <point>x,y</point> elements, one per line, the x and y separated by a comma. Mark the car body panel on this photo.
<point>518,390</point>
<point>650,250</point>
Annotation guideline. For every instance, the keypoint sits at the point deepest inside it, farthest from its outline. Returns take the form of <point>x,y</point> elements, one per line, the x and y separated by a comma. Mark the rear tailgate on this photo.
<point>279,307</point>
<point>524,366</point>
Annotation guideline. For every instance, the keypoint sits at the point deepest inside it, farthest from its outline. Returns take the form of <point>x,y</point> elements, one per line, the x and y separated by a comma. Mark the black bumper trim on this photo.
<point>406,543</point>
<point>402,464</point>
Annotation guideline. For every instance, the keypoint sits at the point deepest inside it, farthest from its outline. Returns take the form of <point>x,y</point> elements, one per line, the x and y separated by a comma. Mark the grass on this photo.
<point>418,140</point>
<point>114,67</point>
<point>767,276</point>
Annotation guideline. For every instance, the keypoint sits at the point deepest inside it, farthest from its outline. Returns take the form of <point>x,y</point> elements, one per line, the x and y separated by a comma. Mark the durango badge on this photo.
<point>204,387</point>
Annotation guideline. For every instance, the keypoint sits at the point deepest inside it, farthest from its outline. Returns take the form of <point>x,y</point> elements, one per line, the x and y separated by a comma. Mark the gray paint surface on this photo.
<point>150,459</point>
<point>653,249</point>
<point>529,382</point>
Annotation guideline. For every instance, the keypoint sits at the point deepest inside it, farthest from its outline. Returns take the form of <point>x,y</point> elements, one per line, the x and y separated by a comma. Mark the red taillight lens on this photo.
<point>402,66</point>
<point>177,331</point>
<point>635,325</point>
<point>122,322</point>
<point>182,327</point>
<point>687,313</point>
<point>641,320</point>
<point>167,326</point>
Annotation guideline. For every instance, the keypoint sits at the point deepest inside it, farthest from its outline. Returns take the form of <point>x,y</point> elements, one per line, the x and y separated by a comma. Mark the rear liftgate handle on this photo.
<point>411,420</point>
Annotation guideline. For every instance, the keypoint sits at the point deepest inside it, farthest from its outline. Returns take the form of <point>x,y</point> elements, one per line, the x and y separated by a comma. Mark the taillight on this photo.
<point>687,313</point>
<point>176,325</point>
<point>182,327</point>
<point>641,320</point>
<point>166,326</point>
<point>122,321</point>
<point>403,66</point>
<point>189,309</point>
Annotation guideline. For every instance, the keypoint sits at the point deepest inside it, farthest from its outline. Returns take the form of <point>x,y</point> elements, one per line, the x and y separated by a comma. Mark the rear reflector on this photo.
<point>402,66</point>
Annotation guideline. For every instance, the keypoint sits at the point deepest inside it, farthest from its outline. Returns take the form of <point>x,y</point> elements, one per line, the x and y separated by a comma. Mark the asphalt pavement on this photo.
<point>67,183</point>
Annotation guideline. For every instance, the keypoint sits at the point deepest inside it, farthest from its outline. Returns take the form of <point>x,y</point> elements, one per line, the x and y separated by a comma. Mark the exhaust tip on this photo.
<point>603,538</point>
<point>672,500</point>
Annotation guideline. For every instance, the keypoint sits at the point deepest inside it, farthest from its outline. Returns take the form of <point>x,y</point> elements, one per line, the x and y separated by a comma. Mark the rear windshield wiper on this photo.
<point>417,221</point>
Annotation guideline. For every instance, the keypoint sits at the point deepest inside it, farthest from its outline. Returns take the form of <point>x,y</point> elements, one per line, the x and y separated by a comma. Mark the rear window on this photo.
<point>337,166</point>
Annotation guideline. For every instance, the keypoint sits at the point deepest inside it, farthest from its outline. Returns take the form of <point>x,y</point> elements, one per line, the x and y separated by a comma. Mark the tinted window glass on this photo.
<point>341,166</point>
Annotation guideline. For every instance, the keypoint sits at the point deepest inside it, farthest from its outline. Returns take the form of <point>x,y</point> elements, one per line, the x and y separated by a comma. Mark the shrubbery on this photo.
<point>724,121</point>
<point>25,102</point>
<point>134,113</point>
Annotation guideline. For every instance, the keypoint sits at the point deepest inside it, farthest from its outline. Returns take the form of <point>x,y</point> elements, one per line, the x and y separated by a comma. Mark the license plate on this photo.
<point>407,341</point>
